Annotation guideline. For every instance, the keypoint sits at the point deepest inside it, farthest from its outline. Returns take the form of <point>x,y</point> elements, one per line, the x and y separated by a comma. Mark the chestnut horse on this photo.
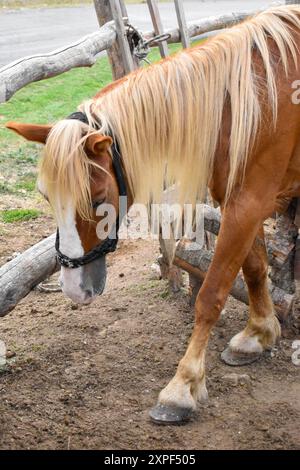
<point>220,115</point>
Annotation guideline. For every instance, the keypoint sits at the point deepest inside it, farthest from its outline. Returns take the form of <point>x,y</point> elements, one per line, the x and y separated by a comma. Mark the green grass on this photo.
<point>18,215</point>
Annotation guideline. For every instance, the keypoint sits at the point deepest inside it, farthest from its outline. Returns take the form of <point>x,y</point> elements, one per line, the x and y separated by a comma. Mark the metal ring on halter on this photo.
<point>110,243</point>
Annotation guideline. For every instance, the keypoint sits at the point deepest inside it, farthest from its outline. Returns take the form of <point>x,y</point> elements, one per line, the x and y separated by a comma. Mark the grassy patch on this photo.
<point>18,215</point>
<point>27,183</point>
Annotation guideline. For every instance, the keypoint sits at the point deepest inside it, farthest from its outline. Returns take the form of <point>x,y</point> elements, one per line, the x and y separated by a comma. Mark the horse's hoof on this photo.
<point>234,358</point>
<point>162,414</point>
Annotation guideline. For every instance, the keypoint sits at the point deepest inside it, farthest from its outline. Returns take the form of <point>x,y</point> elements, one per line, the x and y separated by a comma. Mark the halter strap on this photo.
<point>110,243</point>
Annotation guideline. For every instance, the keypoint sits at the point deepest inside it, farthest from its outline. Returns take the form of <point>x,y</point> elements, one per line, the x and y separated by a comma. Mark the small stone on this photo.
<point>237,379</point>
<point>231,379</point>
<point>155,272</point>
<point>263,427</point>
<point>121,275</point>
<point>103,333</point>
<point>10,354</point>
<point>244,379</point>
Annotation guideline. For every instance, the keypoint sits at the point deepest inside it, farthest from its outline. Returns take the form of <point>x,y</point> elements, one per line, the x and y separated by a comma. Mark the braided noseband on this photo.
<point>110,243</point>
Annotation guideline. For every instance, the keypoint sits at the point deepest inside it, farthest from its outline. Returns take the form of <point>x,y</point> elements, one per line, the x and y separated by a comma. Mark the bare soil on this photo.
<point>84,377</point>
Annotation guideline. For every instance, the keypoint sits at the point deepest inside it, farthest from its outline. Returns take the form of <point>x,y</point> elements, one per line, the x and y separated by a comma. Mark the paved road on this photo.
<point>32,31</point>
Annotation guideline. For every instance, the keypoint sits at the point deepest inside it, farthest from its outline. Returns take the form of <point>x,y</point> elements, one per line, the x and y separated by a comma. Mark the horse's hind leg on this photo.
<point>263,327</point>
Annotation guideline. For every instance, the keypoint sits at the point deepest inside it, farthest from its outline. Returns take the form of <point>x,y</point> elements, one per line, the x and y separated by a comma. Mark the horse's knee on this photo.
<point>208,308</point>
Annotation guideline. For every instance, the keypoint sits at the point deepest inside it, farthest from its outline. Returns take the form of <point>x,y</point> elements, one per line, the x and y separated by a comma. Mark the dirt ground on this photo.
<point>84,377</point>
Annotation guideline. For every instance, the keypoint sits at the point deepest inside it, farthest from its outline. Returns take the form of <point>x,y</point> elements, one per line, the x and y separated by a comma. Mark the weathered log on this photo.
<point>281,250</point>
<point>195,260</point>
<point>19,276</point>
<point>38,67</point>
<point>279,246</point>
<point>212,219</point>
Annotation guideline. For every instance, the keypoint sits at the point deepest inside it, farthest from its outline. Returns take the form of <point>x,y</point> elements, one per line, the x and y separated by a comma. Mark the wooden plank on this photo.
<point>158,27</point>
<point>185,40</point>
<point>108,10</point>
<point>123,9</point>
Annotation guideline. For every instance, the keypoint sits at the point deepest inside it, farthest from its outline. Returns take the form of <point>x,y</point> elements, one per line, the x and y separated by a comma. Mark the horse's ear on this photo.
<point>33,132</point>
<point>97,143</point>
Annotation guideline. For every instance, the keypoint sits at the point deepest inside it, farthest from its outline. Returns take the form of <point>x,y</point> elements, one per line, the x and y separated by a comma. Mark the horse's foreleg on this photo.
<point>263,328</point>
<point>239,227</point>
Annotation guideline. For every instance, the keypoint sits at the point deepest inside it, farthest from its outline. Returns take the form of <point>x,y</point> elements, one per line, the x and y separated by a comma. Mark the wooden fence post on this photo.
<point>119,54</point>
<point>157,26</point>
<point>184,35</point>
<point>123,8</point>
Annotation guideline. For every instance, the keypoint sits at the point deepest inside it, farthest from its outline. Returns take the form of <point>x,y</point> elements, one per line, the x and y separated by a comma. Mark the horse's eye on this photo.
<point>98,203</point>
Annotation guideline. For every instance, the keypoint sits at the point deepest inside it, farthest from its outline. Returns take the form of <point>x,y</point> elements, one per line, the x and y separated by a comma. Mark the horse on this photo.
<point>220,115</point>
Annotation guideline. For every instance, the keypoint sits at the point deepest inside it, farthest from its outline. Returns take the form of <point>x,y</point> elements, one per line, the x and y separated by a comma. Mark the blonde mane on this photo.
<point>167,118</point>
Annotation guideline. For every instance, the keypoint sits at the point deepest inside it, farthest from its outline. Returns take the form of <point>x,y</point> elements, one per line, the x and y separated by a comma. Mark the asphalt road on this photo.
<point>33,31</point>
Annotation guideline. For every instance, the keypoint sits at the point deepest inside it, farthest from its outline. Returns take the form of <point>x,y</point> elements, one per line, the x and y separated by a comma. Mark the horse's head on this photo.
<point>81,184</point>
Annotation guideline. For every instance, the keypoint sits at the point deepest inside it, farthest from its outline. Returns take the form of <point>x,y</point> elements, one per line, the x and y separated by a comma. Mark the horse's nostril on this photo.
<point>89,293</point>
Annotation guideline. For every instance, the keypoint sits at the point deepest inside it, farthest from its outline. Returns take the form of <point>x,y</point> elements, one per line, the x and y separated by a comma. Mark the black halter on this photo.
<point>110,243</point>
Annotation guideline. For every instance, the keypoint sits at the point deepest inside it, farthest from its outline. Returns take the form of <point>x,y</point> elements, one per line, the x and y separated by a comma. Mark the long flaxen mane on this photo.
<point>167,117</point>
